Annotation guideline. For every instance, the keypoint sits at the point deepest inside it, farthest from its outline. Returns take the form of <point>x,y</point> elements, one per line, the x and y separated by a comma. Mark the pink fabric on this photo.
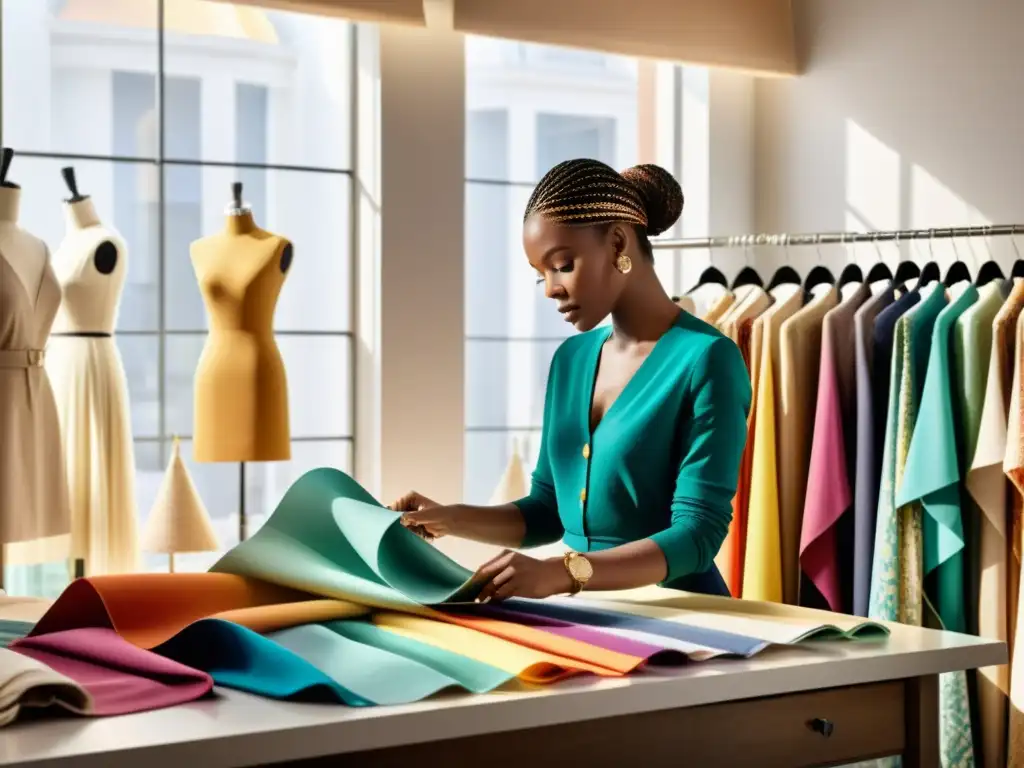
<point>828,487</point>
<point>120,677</point>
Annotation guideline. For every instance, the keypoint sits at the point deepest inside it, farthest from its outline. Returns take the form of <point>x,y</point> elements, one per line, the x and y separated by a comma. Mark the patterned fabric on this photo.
<point>931,476</point>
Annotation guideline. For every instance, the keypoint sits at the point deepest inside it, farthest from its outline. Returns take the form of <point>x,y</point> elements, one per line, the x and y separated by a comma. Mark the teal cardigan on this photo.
<point>663,462</point>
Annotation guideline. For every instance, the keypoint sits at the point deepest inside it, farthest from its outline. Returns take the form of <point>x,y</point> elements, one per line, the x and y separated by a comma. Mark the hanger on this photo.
<point>851,272</point>
<point>879,270</point>
<point>930,271</point>
<point>1018,266</point>
<point>710,276</point>
<point>747,276</point>
<point>958,271</point>
<point>820,274</point>
<point>988,272</point>
<point>784,275</point>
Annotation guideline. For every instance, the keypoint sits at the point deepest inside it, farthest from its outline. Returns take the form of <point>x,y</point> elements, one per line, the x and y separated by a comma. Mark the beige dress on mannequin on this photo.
<point>91,391</point>
<point>33,489</point>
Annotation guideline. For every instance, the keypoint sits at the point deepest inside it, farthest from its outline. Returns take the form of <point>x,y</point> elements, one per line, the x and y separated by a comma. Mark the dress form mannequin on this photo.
<point>91,391</point>
<point>33,488</point>
<point>241,393</point>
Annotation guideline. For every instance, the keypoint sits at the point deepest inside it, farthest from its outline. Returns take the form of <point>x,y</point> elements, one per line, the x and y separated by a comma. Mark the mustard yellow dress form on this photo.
<point>241,392</point>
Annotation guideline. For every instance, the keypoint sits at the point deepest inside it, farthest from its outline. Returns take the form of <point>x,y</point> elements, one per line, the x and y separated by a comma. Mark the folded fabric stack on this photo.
<point>334,599</point>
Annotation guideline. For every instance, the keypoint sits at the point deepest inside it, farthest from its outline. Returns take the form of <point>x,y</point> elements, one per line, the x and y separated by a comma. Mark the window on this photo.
<point>157,133</point>
<point>528,108</point>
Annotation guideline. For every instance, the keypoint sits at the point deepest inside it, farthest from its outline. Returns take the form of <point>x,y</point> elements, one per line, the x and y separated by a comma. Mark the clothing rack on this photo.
<point>839,238</point>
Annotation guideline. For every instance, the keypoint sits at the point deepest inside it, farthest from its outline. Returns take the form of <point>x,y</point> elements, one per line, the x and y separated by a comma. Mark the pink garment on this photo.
<point>120,677</point>
<point>828,486</point>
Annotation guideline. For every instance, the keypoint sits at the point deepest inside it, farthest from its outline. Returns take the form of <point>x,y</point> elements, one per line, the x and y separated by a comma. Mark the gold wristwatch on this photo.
<point>580,570</point>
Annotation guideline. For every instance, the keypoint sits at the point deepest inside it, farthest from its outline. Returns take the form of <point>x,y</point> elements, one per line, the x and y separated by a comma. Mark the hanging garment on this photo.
<point>719,307</point>
<point>762,563</point>
<point>931,476</point>
<point>826,540</point>
<point>738,326</point>
<point>800,354</point>
<point>33,489</point>
<point>869,457</point>
<point>91,392</point>
<point>896,590</point>
<point>1013,465</point>
<point>985,550</point>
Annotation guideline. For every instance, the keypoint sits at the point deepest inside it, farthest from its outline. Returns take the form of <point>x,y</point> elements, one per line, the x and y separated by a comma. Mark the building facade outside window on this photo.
<point>529,107</point>
<point>158,117</point>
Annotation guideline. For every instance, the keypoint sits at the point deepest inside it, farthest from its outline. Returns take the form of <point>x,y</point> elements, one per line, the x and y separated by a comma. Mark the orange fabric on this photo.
<point>270,618</point>
<point>577,654</point>
<point>147,609</point>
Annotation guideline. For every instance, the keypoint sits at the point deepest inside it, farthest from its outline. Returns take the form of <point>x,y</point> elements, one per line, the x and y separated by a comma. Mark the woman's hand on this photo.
<point>513,574</point>
<point>424,516</point>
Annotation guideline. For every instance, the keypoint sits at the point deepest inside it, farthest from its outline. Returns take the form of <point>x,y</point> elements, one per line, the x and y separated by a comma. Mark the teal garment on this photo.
<point>662,464</point>
<point>933,471</point>
<point>895,570</point>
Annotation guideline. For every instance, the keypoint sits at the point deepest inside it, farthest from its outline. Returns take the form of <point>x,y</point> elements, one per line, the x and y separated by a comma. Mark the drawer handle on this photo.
<point>823,726</point>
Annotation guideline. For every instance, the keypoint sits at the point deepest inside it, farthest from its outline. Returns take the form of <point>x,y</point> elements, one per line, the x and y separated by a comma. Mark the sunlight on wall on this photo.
<point>872,179</point>
<point>933,204</point>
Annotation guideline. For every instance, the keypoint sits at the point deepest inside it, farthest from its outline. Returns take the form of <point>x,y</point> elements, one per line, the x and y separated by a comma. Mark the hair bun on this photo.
<point>661,195</point>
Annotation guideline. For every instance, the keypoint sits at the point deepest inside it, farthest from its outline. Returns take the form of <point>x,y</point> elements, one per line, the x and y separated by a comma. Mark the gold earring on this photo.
<point>623,263</point>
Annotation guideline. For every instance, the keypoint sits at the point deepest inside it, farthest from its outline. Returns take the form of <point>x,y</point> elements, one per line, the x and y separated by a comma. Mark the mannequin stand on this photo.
<point>170,562</point>
<point>243,522</point>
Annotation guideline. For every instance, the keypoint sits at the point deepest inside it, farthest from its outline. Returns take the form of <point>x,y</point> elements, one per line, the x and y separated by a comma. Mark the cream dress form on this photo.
<point>92,393</point>
<point>33,488</point>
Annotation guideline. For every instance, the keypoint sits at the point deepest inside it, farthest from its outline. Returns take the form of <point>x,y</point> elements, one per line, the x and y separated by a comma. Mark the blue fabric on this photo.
<point>738,645</point>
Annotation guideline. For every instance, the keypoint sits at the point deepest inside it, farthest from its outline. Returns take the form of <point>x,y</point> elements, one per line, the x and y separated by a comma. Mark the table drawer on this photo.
<point>817,728</point>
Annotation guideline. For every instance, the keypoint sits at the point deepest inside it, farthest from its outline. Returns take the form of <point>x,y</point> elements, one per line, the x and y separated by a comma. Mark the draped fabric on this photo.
<point>931,476</point>
<point>826,534</point>
<point>1014,466</point>
<point>762,565</point>
<point>736,323</point>
<point>800,346</point>
<point>983,406</point>
<point>868,455</point>
<point>334,600</point>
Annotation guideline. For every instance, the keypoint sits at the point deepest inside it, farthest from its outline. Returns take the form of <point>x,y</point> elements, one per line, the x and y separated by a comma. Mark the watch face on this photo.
<point>581,568</point>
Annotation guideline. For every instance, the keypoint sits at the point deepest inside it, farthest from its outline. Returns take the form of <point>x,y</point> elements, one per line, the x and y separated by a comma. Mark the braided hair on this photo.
<point>586,192</point>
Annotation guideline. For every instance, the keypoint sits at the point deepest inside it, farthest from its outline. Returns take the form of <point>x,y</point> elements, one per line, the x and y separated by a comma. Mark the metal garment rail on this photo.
<point>839,238</point>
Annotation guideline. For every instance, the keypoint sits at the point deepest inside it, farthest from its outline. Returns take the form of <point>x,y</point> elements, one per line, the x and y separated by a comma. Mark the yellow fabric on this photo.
<point>762,566</point>
<point>719,307</point>
<point>528,664</point>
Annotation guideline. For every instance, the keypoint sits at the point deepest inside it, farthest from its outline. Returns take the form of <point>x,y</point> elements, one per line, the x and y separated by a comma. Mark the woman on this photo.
<point>644,421</point>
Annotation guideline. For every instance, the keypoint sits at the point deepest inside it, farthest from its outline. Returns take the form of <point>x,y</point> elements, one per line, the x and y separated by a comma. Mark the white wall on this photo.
<point>909,114</point>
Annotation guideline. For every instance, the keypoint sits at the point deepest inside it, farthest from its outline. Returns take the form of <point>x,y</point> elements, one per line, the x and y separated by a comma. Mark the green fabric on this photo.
<point>931,474</point>
<point>932,471</point>
<point>664,460</point>
<point>971,352</point>
<point>383,668</point>
<point>328,536</point>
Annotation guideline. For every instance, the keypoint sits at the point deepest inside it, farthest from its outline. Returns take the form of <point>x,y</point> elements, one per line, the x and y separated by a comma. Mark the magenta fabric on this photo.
<point>120,677</point>
<point>828,487</point>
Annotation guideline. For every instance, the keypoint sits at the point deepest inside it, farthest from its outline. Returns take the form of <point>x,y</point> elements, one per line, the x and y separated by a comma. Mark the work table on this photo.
<point>817,703</point>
